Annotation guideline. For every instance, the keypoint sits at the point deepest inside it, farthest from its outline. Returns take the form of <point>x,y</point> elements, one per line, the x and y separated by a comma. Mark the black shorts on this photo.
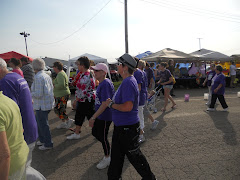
<point>84,109</point>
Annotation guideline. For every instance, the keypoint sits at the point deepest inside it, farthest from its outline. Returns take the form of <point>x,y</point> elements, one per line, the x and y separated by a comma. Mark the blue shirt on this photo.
<point>15,87</point>
<point>127,91</point>
<point>42,92</point>
<point>105,90</point>
<point>150,74</point>
<point>138,74</point>
<point>220,79</point>
<point>164,76</point>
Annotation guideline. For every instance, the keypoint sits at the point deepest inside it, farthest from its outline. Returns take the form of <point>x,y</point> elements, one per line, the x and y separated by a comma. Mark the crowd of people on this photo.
<point>28,94</point>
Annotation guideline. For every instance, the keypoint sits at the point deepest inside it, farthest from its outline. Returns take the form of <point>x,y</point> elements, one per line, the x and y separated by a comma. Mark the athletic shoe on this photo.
<point>141,139</point>
<point>39,143</point>
<point>73,136</point>
<point>63,125</point>
<point>226,109</point>
<point>105,162</point>
<point>154,124</point>
<point>43,148</point>
<point>211,109</point>
<point>70,123</point>
<point>207,104</point>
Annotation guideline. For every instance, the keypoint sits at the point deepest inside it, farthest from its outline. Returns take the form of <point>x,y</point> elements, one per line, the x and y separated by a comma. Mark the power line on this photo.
<point>195,11</point>
<point>76,30</point>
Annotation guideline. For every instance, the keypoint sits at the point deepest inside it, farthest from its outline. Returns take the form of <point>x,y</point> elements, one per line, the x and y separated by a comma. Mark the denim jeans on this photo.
<point>43,128</point>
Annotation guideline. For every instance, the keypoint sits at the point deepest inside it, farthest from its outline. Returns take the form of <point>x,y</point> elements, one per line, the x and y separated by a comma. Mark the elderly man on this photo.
<point>27,70</point>
<point>15,87</point>
<point>43,102</point>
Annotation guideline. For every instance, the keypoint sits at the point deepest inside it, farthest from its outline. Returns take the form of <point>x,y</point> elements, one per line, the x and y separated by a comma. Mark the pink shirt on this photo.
<point>18,71</point>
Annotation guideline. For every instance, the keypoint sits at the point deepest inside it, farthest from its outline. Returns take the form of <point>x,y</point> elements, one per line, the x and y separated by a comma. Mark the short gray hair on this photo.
<point>3,64</point>
<point>38,64</point>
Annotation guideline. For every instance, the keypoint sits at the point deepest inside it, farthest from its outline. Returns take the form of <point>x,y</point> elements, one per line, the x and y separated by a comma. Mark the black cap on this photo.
<point>128,61</point>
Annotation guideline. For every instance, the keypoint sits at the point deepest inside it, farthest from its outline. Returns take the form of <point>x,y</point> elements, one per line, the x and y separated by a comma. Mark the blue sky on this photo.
<point>153,25</point>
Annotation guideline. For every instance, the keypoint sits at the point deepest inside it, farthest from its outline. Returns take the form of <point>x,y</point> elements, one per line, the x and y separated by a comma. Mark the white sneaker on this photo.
<point>39,143</point>
<point>43,148</point>
<point>105,162</point>
<point>73,136</point>
<point>154,124</point>
<point>63,125</point>
<point>211,109</point>
<point>70,123</point>
<point>141,139</point>
<point>226,109</point>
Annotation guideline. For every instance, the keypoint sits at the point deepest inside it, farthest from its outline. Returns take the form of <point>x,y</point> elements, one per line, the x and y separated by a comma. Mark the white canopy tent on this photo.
<point>167,54</point>
<point>95,59</point>
<point>209,55</point>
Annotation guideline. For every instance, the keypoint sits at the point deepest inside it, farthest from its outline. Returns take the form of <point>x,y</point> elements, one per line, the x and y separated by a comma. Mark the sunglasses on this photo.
<point>96,70</point>
<point>119,63</point>
<point>78,64</point>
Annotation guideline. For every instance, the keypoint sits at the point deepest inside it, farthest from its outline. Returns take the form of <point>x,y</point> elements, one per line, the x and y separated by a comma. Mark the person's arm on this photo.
<point>139,87</point>
<point>169,81</point>
<point>100,110</point>
<point>205,81</point>
<point>216,90</point>
<point>4,156</point>
<point>125,107</point>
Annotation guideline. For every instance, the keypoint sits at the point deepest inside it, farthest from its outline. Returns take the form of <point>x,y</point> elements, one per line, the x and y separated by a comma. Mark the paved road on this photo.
<point>189,143</point>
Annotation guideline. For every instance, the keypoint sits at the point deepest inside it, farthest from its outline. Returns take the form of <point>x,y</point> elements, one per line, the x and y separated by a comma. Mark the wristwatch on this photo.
<point>111,104</point>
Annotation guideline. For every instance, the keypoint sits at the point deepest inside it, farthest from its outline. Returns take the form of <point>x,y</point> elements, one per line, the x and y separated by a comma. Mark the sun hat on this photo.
<point>100,66</point>
<point>128,60</point>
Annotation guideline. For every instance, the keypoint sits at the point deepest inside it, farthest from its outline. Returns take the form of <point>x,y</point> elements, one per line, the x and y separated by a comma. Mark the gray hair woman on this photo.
<point>43,102</point>
<point>218,89</point>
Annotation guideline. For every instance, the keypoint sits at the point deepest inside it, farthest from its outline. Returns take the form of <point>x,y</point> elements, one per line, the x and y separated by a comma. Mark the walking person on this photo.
<point>43,103</point>
<point>171,68</point>
<point>150,77</point>
<point>218,90</point>
<point>124,106</point>
<point>61,94</point>
<point>85,97</point>
<point>13,148</point>
<point>166,81</point>
<point>15,87</point>
<point>208,82</point>
<point>27,70</point>
<point>102,118</point>
<point>16,64</point>
<point>233,73</point>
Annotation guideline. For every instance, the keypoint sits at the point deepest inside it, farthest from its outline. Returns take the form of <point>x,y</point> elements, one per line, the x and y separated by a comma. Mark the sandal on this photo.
<point>174,106</point>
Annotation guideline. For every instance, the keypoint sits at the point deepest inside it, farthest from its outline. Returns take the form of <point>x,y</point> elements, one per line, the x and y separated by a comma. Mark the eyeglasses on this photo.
<point>96,70</point>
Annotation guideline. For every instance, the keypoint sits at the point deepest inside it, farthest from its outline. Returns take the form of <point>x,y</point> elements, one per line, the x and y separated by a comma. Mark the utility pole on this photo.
<point>25,35</point>
<point>126,27</point>
<point>199,43</point>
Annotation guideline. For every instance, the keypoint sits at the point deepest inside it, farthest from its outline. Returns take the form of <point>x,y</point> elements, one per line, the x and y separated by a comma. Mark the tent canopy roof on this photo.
<point>94,58</point>
<point>168,53</point>
<point>12,54</point>
<point>209,55</point>
<point>49,61</point>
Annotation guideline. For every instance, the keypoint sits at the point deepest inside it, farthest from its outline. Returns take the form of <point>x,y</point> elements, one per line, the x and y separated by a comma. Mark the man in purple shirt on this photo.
<point>218,90</point>
<point>15,87</point>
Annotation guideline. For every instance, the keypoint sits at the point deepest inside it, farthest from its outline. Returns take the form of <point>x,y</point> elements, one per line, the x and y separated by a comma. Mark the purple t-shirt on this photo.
<point>164,76</point>
<point>15,87</point>
<point>138,74</point>
<point>105,90</point>
<point>127,91</point>
<point>210,75</point>
<point>220,79</point>
<point>150,74</point>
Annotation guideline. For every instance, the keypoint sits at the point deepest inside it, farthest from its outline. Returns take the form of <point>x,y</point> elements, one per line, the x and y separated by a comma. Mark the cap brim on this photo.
<point>95,68</point>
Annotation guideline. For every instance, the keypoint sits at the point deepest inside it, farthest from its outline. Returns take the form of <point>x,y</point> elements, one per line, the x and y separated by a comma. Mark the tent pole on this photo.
<point>126,27</point>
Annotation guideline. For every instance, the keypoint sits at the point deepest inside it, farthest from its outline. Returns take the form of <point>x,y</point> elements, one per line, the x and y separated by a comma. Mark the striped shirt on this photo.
<point>42,92</point>
<point>28,73</point>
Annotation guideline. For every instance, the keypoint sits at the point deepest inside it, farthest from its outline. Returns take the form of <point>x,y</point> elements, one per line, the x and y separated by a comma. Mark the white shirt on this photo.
<point>233,70</point>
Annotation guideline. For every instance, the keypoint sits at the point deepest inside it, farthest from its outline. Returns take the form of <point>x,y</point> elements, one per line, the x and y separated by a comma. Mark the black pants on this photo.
<point>221,100</point>
<point>125,142</point>
<point>84,109</point>
<point>100,132</point>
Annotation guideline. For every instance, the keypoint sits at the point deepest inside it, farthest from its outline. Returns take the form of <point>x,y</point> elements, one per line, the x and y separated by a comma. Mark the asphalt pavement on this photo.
<point>189,143</point>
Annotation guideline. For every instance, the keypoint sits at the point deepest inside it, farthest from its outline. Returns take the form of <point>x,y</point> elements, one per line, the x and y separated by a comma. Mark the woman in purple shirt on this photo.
<point>126,124</point>
<point>166,81</point>
<point>218,89</point>
<point>102,118</point>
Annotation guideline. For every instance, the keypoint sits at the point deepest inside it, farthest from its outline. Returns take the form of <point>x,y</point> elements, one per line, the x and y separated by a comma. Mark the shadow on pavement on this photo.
<point>221,122</point>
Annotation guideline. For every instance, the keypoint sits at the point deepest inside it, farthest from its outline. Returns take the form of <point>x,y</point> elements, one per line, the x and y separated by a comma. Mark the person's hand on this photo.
<point>150,86</point>
<point>204,84</point>
<point>91,122</point>
<point>216,90</point>
<point>74,104</point>
<point>107,102</point>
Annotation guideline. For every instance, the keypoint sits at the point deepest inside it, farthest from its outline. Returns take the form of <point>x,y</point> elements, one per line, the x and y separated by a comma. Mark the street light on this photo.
<point>25,35</point>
